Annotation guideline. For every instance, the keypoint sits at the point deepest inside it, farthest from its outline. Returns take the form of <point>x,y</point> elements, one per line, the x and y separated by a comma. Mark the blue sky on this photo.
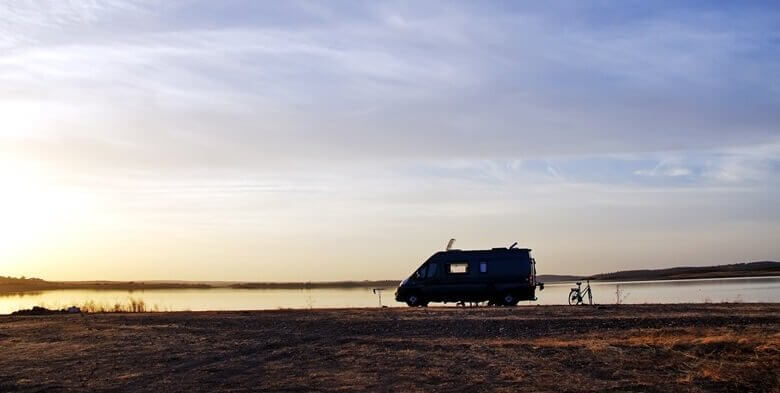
<point>227,140</point>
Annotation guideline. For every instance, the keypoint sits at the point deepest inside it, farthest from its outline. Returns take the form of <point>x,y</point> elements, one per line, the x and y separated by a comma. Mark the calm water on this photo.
<point>680,291</point>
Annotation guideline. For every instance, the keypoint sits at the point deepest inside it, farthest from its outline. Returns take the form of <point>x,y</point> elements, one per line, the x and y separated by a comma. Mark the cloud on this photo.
<point>759,164</point>
<point>665,167</point>
<point>381,82</point>
<point>678,172</point>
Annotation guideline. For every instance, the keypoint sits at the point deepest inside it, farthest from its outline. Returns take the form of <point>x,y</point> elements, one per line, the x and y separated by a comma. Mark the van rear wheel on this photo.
<point>509,300</point>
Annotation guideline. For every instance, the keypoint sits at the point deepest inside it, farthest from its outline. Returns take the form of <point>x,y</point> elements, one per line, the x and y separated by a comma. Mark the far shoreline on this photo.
<point>22,290</point>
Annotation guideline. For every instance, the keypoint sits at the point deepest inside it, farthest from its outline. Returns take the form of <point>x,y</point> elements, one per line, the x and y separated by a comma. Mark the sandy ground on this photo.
<point>649,348</point>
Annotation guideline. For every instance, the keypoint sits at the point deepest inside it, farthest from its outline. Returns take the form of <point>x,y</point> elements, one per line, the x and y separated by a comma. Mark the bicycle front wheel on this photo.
<point>573,297</point>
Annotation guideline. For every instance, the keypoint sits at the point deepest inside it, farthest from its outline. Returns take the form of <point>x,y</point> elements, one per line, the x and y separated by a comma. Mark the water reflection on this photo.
<point>680,291</point>
<point>758,289</point>
<point>20,294</point>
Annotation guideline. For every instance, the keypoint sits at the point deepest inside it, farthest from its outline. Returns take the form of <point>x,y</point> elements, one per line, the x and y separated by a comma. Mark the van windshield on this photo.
<point>421,273</point>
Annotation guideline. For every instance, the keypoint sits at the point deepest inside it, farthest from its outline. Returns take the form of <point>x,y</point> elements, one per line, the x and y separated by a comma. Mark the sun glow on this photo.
<point>33,211</point>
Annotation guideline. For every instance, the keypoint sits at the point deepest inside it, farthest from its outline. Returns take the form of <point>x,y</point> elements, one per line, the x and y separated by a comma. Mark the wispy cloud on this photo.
<point>394,81</point>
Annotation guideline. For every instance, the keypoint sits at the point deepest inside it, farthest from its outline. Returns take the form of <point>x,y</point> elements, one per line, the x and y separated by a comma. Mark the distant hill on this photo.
<point>313,285</point>
<point>10,284</point>
<point>547,278</point>
<point>763,268</point>
<point>13,285</point>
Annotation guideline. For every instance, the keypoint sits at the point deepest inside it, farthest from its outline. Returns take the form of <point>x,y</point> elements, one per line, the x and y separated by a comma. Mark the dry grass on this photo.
<point>132,305</point>
<point>651,348</point>
<point>716,355</point>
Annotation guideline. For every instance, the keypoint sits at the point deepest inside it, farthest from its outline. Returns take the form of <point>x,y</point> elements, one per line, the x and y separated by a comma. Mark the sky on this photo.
<point>350,140</point>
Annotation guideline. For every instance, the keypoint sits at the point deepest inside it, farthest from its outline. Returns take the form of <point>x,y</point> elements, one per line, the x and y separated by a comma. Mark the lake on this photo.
<point>759,289</point>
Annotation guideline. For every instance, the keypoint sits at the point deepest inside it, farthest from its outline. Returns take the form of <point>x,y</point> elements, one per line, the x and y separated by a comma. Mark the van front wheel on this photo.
<point>415,301</point>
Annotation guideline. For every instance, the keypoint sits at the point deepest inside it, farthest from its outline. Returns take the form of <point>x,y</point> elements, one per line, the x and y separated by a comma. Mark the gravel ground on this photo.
<point>647,348</point>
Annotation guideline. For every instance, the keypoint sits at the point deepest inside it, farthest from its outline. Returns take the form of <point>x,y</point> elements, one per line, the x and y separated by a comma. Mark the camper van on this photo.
<point>500,276</point>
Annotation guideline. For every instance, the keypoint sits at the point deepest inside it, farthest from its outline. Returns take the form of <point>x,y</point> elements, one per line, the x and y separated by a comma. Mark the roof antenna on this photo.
<point>450,243</point>
<point>513,245</point>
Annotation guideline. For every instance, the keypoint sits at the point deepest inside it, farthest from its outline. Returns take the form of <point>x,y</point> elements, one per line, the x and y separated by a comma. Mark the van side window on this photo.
<point>483,267</point>
<point>431,270</point>
<point>459,268</point>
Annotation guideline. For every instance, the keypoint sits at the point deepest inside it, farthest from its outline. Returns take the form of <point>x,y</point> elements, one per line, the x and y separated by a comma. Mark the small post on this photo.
<point>378,292</point>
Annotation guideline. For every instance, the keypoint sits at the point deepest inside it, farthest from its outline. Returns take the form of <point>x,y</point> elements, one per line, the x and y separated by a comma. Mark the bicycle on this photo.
<point>577,295</point>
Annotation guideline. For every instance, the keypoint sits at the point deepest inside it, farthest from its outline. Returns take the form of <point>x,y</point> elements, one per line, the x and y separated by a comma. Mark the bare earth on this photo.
<point>650,348</point>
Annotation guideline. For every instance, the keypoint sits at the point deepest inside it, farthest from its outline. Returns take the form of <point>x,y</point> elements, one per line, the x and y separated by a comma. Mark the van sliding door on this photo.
<point>460,281</point>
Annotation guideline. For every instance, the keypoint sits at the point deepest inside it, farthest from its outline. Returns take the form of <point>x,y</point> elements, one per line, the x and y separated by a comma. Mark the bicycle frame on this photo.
<point>580,293</point>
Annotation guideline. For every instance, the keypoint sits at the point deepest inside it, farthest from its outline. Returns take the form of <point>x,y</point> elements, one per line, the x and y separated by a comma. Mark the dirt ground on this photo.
<point>629,348</point>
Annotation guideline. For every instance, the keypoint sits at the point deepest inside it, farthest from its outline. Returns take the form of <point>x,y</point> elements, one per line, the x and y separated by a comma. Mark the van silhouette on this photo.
<point>500,276</point>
